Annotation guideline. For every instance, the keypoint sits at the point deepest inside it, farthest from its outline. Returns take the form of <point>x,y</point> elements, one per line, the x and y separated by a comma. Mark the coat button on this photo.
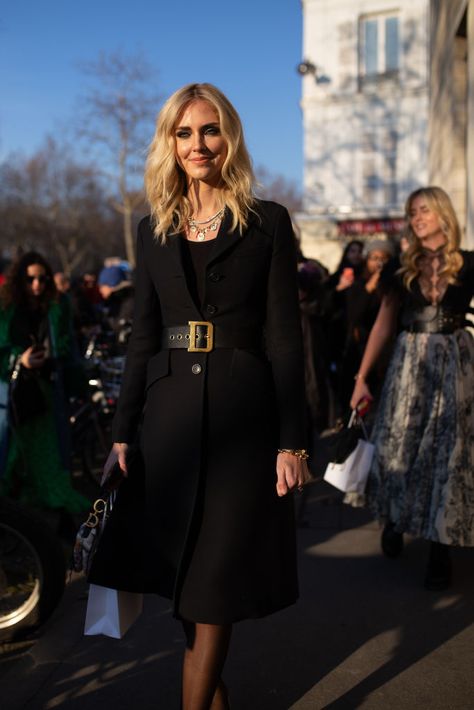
<point>212,310</point>
<point>196,369</point>
<point>214,276</point>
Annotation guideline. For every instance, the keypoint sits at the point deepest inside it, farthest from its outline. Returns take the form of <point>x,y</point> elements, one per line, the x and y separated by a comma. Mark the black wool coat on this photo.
<point>221,543</point>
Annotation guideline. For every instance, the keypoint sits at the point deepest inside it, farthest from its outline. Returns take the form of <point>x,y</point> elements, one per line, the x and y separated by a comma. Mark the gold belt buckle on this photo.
<point>193,336</point>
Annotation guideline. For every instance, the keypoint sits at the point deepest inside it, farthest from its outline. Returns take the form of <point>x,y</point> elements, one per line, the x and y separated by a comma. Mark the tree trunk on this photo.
<point>128,234</point>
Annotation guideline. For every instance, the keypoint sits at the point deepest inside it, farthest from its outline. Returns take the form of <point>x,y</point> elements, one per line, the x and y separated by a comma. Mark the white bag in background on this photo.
<point>110,611</point>
<point>351,475</point>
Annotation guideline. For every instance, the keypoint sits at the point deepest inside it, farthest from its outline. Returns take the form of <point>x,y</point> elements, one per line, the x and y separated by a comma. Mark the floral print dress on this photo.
<point>422,478</point>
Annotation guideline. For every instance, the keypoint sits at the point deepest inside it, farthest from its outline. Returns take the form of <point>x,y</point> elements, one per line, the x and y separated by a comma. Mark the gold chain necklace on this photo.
<point>194,225</point>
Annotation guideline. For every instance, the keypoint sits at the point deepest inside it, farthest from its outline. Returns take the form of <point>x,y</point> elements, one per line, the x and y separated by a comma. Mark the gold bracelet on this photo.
<point>301,454</point>
<point>359,377</point>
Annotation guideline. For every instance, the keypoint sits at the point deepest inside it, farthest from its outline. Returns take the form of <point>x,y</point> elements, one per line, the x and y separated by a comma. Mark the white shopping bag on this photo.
<point>351,475</point>
<point>110,611</point>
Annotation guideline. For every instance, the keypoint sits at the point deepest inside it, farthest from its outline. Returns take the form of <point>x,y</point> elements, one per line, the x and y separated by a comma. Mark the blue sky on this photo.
<point>248,48</point>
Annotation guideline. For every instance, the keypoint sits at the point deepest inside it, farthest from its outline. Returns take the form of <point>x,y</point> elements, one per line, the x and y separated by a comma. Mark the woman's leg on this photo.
<point>204,658</point>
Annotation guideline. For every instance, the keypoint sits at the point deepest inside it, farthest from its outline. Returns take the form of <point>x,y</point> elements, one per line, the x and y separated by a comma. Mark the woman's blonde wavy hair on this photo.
<point>165,181</point>
<point>438,201</point>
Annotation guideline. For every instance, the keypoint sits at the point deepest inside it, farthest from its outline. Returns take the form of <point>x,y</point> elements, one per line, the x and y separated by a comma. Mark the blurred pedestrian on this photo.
<point>223,417</point>
<point>116,288</point>
<point>62,281</point>
<point>336,304</point>
<point>312,276</point>
<point>362,299</point>
<point>422,479</point>
<point>37,358</point>
<point>88,282</point>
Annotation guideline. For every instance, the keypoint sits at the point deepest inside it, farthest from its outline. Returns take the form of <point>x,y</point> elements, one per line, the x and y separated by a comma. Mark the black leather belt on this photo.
<point>203,336</point>
<point>433,319</point>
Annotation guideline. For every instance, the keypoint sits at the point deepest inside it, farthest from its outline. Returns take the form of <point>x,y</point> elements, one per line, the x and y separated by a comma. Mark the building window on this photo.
<point>379,46</point>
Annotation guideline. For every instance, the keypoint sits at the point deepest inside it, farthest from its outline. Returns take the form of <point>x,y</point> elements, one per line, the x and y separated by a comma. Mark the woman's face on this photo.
<point>354,254</point>
<point>424,221</point>
<point>35,278</point>
<point>200,148</point>
<point>376,260</point>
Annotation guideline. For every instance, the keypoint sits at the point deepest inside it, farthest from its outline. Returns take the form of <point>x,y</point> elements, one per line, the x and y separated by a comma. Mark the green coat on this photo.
<point>36,465</point>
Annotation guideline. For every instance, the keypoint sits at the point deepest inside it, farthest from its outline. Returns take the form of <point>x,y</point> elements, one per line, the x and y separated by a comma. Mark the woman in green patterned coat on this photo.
<point>36,348</point>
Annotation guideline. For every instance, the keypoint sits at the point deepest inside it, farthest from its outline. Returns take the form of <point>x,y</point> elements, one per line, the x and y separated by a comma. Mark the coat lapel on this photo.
<point>225,239</point>
<point>175,245</point>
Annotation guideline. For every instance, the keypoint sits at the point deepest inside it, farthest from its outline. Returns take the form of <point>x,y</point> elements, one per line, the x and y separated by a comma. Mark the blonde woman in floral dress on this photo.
<point>422,478</point>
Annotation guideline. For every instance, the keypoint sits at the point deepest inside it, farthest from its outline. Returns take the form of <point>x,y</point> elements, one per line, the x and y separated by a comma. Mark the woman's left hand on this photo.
<point>292,472</point>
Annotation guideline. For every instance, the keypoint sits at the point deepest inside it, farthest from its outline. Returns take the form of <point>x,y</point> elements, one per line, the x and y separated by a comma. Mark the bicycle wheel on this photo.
<point>32,571</point>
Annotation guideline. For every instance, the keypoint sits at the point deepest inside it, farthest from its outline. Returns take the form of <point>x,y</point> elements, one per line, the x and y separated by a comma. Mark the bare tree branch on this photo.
<point>116,118</point>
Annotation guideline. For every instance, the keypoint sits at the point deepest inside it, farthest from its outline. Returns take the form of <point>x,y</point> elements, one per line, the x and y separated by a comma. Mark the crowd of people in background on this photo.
<point>46,321</point>
<point>338,311</point>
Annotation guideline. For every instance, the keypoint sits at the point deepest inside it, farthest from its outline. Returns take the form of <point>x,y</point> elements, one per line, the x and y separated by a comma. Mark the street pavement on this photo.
<point>365,634</point>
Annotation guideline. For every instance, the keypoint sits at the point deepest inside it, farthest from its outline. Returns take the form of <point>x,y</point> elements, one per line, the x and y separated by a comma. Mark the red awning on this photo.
<point>371,226</point>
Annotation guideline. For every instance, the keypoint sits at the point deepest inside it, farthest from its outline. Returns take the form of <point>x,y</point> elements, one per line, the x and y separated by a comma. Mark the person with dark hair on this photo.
<point>336,301</point>
<point>214,382</point>
<point>422,477</point>
<point>37,357</point>
<point>362,304</point>
<point>352,260</point>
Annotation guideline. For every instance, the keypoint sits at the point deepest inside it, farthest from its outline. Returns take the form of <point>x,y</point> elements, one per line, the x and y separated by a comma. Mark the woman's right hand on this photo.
<point>346,280</point>
<point>361,390</point>
<point>33,358</point>
<point>118,453</point>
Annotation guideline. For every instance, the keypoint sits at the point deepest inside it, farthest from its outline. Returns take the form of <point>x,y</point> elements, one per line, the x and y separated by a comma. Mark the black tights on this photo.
<point>204,658</point>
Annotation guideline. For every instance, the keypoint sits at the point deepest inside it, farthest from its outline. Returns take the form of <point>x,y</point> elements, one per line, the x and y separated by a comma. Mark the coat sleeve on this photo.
<point>143,343</point>
<point>283,335</point>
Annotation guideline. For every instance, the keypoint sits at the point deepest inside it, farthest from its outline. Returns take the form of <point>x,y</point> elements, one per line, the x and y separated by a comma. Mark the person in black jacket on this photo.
<point>335,305</point>
<point>214,382</point>
<point>363,299</point>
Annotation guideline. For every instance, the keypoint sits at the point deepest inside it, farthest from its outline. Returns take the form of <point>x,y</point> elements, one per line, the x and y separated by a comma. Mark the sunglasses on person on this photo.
<point>30,279</point>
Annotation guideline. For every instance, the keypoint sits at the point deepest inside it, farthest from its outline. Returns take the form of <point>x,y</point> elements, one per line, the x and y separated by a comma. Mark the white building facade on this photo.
<point>366,74</point>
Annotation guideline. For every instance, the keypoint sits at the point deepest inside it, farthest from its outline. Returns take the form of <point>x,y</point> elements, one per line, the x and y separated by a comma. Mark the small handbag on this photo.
<point>90,532</point>
<point>350,474</point>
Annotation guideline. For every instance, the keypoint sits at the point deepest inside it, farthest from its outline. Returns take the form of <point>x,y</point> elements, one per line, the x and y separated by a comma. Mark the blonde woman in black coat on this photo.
<point>214,381</point>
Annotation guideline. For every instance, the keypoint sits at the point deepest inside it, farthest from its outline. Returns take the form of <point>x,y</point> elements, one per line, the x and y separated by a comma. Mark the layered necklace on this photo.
<point>198,229</point>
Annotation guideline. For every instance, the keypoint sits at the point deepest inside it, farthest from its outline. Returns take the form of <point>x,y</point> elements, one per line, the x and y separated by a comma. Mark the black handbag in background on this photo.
<point>26,396</point>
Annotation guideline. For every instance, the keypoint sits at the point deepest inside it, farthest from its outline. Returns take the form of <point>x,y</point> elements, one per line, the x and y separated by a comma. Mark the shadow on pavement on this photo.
<point>364,634</point>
